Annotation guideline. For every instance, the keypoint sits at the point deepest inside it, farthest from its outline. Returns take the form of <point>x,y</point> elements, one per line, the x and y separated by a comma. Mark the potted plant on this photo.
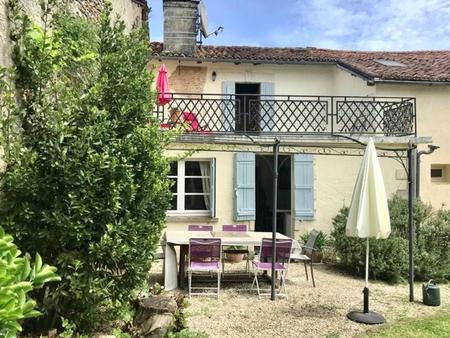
<point>234,257</point>
<point>175,114</point>
<point>321,242</point>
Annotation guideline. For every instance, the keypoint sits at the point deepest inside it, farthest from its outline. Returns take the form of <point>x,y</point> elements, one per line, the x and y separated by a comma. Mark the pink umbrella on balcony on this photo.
<point>162,87</point>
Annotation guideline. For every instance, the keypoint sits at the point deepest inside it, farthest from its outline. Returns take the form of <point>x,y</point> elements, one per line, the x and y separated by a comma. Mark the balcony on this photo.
<point>281,115</point>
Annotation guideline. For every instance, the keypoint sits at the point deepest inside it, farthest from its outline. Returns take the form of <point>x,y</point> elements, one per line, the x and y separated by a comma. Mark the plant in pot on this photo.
<point>321,242</point>
<point>234,254</point>
<point>175,114</point>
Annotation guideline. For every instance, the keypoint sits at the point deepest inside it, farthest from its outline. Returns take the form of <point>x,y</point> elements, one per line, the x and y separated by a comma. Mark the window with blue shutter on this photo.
<point>228,105</point>
<point>304,186</point>
<point>267,106</point>
<point>244,187</point>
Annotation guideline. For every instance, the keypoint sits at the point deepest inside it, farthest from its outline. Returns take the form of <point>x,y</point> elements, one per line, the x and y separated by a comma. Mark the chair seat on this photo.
<point>268,266</point>
<point>300,257</point>
<point>236,251</point>
<point>204,266</point>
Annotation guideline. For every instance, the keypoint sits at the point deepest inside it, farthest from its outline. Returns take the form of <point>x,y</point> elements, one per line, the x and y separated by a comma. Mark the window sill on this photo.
<point>191,219</point>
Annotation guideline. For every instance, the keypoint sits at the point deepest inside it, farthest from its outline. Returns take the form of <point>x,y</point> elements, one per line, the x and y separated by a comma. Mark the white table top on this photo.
<point>181,237</point>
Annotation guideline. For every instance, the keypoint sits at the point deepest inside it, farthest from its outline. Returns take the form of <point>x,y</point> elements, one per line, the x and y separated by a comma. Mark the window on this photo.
<point>436,173</point>
<point>390,63</point>
<point>440,173</point>
<point>193,187</point>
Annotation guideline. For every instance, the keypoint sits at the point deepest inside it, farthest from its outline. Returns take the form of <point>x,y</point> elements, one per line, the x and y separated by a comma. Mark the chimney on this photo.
<point>180,26</point>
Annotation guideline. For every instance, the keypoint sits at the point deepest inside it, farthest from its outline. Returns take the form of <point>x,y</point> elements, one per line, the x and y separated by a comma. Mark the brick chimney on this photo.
<point>180,26</point>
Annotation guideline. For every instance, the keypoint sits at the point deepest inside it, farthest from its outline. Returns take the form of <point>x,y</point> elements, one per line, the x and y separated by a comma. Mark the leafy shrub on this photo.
<point>388,258</point>
<point>321,240</point>
<point>432,255</point>
<point>17,279</point>
<point>85,179</point>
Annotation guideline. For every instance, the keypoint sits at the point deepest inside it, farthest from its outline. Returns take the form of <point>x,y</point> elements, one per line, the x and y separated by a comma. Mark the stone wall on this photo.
<point>132,12</point>
<point>196,76</point>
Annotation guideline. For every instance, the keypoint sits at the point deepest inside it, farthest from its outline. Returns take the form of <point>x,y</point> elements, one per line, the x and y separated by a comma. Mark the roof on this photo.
<point>429,66</point>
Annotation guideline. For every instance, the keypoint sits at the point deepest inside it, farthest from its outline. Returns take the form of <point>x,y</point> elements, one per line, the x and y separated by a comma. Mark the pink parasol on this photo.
<point>162,86</point>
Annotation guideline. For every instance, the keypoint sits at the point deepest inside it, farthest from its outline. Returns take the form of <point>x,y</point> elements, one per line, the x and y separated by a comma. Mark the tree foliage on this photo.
<point>85,178</point>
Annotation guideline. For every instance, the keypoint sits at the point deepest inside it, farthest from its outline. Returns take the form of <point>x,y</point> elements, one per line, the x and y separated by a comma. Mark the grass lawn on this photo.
<point>435,326</point>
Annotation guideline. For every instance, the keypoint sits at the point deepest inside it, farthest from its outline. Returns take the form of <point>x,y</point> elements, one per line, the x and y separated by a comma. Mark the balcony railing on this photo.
<point>289,114</point>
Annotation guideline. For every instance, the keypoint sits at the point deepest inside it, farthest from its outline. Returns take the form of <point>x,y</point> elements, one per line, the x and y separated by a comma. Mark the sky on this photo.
<point>335,24</point>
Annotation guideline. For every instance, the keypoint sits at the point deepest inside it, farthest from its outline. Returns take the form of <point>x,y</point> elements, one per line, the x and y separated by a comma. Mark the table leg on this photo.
<point>170,267</point>
<point>183,254</point>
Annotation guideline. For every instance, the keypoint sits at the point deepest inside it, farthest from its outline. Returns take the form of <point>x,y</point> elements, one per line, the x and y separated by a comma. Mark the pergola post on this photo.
<point>411,222</point>
<point>276,148</point>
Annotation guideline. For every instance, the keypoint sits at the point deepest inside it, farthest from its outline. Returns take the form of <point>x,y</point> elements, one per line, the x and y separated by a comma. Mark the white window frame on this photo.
<point>181,193</point>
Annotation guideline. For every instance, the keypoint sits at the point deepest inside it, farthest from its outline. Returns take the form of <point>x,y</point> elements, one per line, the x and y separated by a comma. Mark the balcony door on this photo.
<point>248,107</point>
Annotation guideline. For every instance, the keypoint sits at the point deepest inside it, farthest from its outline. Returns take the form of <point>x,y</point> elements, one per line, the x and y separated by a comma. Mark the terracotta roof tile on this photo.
<point>417,66</point>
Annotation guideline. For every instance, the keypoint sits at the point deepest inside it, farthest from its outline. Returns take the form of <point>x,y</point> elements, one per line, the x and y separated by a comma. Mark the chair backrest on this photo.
<point>204,249</point>
<point>235,227</point>
<point>283,250</point>
<point>195,227</point>
<point>191,120</point>
<point>311,242</point>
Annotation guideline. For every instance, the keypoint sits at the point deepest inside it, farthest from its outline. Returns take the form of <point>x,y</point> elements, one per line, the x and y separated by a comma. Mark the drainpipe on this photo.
<point>431,149</point>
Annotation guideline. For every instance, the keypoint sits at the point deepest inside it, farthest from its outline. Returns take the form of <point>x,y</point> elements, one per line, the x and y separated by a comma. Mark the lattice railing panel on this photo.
<point>237,114</point>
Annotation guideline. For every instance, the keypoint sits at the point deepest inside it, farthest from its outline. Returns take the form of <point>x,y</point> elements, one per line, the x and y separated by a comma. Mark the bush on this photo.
<point>388,258</point>
<point>85,179</point>
<point>321,240</point>
<point>17,279</point>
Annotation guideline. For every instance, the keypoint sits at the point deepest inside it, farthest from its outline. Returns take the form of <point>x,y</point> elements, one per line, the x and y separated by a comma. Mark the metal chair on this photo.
<point>264,263</point>
<point>306,256</point>
<point>236,228</point>
<point>195,227</point>
<point>204,256</point>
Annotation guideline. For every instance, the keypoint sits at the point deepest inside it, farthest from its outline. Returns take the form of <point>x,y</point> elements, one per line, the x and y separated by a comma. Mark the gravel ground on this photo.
<point>308,312</point>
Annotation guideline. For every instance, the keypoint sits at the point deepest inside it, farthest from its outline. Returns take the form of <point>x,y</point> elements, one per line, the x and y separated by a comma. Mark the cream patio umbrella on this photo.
<point>368,217</point>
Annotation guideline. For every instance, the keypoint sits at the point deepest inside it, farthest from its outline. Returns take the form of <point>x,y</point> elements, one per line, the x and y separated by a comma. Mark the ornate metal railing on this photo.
<point>293,114</point>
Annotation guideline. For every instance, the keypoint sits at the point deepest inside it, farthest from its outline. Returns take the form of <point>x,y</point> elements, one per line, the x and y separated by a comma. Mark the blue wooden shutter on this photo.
<point>213,187</point>
<point>228,105</point>
<point>244,187</point>
<point>267,106</point>
<point>304,186</point>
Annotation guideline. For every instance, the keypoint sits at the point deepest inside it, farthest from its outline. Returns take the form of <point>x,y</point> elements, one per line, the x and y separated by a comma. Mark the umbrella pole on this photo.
<point>366,316</point>
<point>366,288</point>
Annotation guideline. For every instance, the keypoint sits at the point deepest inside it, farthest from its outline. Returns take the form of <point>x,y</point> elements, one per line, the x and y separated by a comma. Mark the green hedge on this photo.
<point>388,258</point>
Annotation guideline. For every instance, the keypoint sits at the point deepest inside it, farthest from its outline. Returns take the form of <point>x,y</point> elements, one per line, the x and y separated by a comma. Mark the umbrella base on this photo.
<point>370,317</point>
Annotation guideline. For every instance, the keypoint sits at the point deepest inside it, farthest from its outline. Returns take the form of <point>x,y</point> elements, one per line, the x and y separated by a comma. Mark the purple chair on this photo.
<point>195,227</point>
<point>245,251</point>
<point>264,264</point>
<point>204,256</point>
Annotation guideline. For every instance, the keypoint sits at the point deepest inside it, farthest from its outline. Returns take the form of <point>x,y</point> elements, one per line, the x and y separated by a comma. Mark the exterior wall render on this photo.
<point>433,119</point>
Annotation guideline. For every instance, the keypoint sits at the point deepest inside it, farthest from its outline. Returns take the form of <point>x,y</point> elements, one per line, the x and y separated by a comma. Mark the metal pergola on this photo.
<point>354,146</point>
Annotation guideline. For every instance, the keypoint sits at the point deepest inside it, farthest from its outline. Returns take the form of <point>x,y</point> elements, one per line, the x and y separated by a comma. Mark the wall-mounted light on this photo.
<point>213,76</point>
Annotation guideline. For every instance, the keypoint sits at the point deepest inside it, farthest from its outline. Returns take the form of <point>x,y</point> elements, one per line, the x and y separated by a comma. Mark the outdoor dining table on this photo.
<point>174,276</point>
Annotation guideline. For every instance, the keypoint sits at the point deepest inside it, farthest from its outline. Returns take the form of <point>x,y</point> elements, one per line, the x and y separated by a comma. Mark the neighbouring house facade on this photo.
<point>234,102</point>
<point>132,12</point>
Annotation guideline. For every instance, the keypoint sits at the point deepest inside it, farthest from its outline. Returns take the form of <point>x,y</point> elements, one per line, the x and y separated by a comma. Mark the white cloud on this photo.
<point>368,25</point>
